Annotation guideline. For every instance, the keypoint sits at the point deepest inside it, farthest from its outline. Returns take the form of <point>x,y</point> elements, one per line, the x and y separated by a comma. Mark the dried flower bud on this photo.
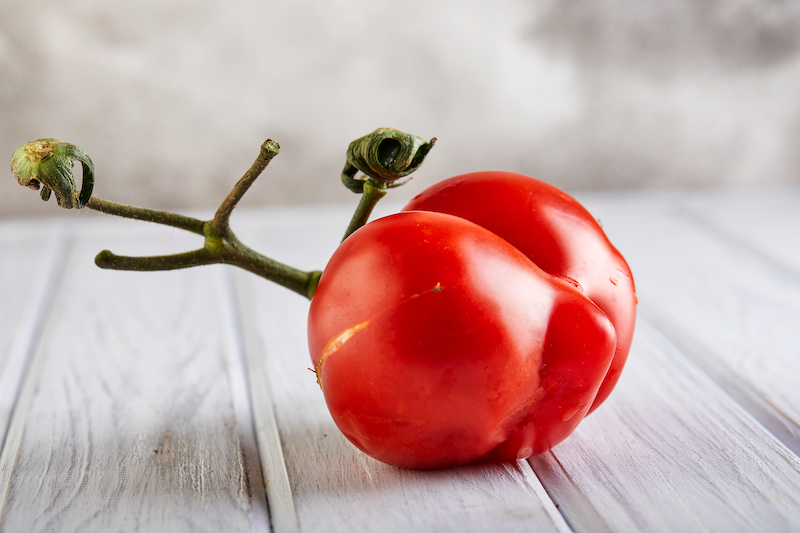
<point>384,155</point>
<point>47,163</point>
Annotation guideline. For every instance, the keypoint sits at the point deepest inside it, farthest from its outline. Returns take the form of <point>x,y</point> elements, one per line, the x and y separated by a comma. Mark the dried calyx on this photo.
<point>47,164</point>
<point>385,155</point>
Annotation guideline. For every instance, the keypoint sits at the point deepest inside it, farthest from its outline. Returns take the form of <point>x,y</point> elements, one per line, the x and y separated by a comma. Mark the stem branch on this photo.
<point>268,150</point>
<point>109,260</point>
<point>299,281</point>
<point>221,245</point>
<point>149,215</point>
<point>386,157</point>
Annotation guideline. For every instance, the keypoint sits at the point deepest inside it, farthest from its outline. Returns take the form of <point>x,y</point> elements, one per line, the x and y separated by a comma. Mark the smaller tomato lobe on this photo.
<point>554,231</point>
<point>436,342</point>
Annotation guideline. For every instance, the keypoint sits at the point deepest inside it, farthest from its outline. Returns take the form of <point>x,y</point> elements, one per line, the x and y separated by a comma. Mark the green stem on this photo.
<point>386,156</point>
<point>237,254</point>
<point>111,261</point>
<point>148,215</point>
<point>269,150</point>
<point>221,245</point>
<point>228,250</point>
<point>370,196</point>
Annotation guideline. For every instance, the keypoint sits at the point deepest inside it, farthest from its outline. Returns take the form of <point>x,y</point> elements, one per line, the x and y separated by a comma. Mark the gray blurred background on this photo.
<point>172,98</point>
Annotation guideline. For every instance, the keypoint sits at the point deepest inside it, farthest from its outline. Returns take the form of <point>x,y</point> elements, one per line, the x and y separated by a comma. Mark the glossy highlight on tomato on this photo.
<point>437,342</point>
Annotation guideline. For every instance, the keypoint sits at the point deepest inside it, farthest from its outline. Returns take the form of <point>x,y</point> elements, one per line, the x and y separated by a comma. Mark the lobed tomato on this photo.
<point>437,342</point>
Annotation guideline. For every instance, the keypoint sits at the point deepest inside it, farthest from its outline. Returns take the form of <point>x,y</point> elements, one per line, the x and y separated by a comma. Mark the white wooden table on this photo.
<point>182,401</point>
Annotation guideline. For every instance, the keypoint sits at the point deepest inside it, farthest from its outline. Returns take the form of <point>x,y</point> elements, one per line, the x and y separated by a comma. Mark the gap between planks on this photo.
<point>727,240</point>
<point>28,356</point>
<point>334,486</point>
<point>24,361</point>
<point>241,392</point>
<point>670,450</point>
<point>264,428</point>
<point>768,414</point>
<point>32,318</point>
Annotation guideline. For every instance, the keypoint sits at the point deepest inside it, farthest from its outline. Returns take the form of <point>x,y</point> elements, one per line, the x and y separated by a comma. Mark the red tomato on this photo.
<point>554,231</point>
<point>436,342</point>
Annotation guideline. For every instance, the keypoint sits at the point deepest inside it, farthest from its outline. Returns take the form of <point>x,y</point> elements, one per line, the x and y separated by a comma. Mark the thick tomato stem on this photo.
<point>371,194</point>
<point>385,156</point>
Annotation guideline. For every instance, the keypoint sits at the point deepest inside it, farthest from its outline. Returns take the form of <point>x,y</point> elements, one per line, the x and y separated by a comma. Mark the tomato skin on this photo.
<point>436,342</point>
<point>555,232</point>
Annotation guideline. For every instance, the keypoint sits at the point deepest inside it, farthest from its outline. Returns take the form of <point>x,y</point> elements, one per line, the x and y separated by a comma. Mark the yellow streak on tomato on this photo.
<point>336,343</point>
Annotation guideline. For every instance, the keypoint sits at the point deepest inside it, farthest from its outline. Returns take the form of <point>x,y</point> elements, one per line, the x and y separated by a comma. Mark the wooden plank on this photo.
<point>127,420</point>
<point>767,222</point>
<point>334,486</point>
<point>28,275</point>
<point>731,308</point>
<point>670,451</point>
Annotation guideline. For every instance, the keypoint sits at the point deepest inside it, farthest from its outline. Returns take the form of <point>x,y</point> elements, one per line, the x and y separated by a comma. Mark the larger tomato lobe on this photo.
<point>437,342</point>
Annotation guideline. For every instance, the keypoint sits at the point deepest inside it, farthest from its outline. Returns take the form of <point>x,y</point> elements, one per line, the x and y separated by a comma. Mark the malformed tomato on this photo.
<point>489,318</point>
<point>554,231</point>
<point>437,342</point>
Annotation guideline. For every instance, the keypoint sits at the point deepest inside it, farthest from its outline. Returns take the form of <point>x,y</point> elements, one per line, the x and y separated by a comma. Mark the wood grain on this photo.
<point>177,401</point>
<point>127,420</point>
<point>764,222</point>
<point>28,275</point>
<point>731,308</point>
<point>670,451</point>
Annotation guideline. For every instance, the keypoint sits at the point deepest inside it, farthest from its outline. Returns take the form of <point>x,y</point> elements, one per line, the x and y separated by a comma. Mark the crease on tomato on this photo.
<point>569,413</point>
<point>522,411</point>
<point>339,340</point>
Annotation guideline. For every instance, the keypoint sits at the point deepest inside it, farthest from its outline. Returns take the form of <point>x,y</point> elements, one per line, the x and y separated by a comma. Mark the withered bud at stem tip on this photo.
<point>385,155</point>
<point>47,163</point>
